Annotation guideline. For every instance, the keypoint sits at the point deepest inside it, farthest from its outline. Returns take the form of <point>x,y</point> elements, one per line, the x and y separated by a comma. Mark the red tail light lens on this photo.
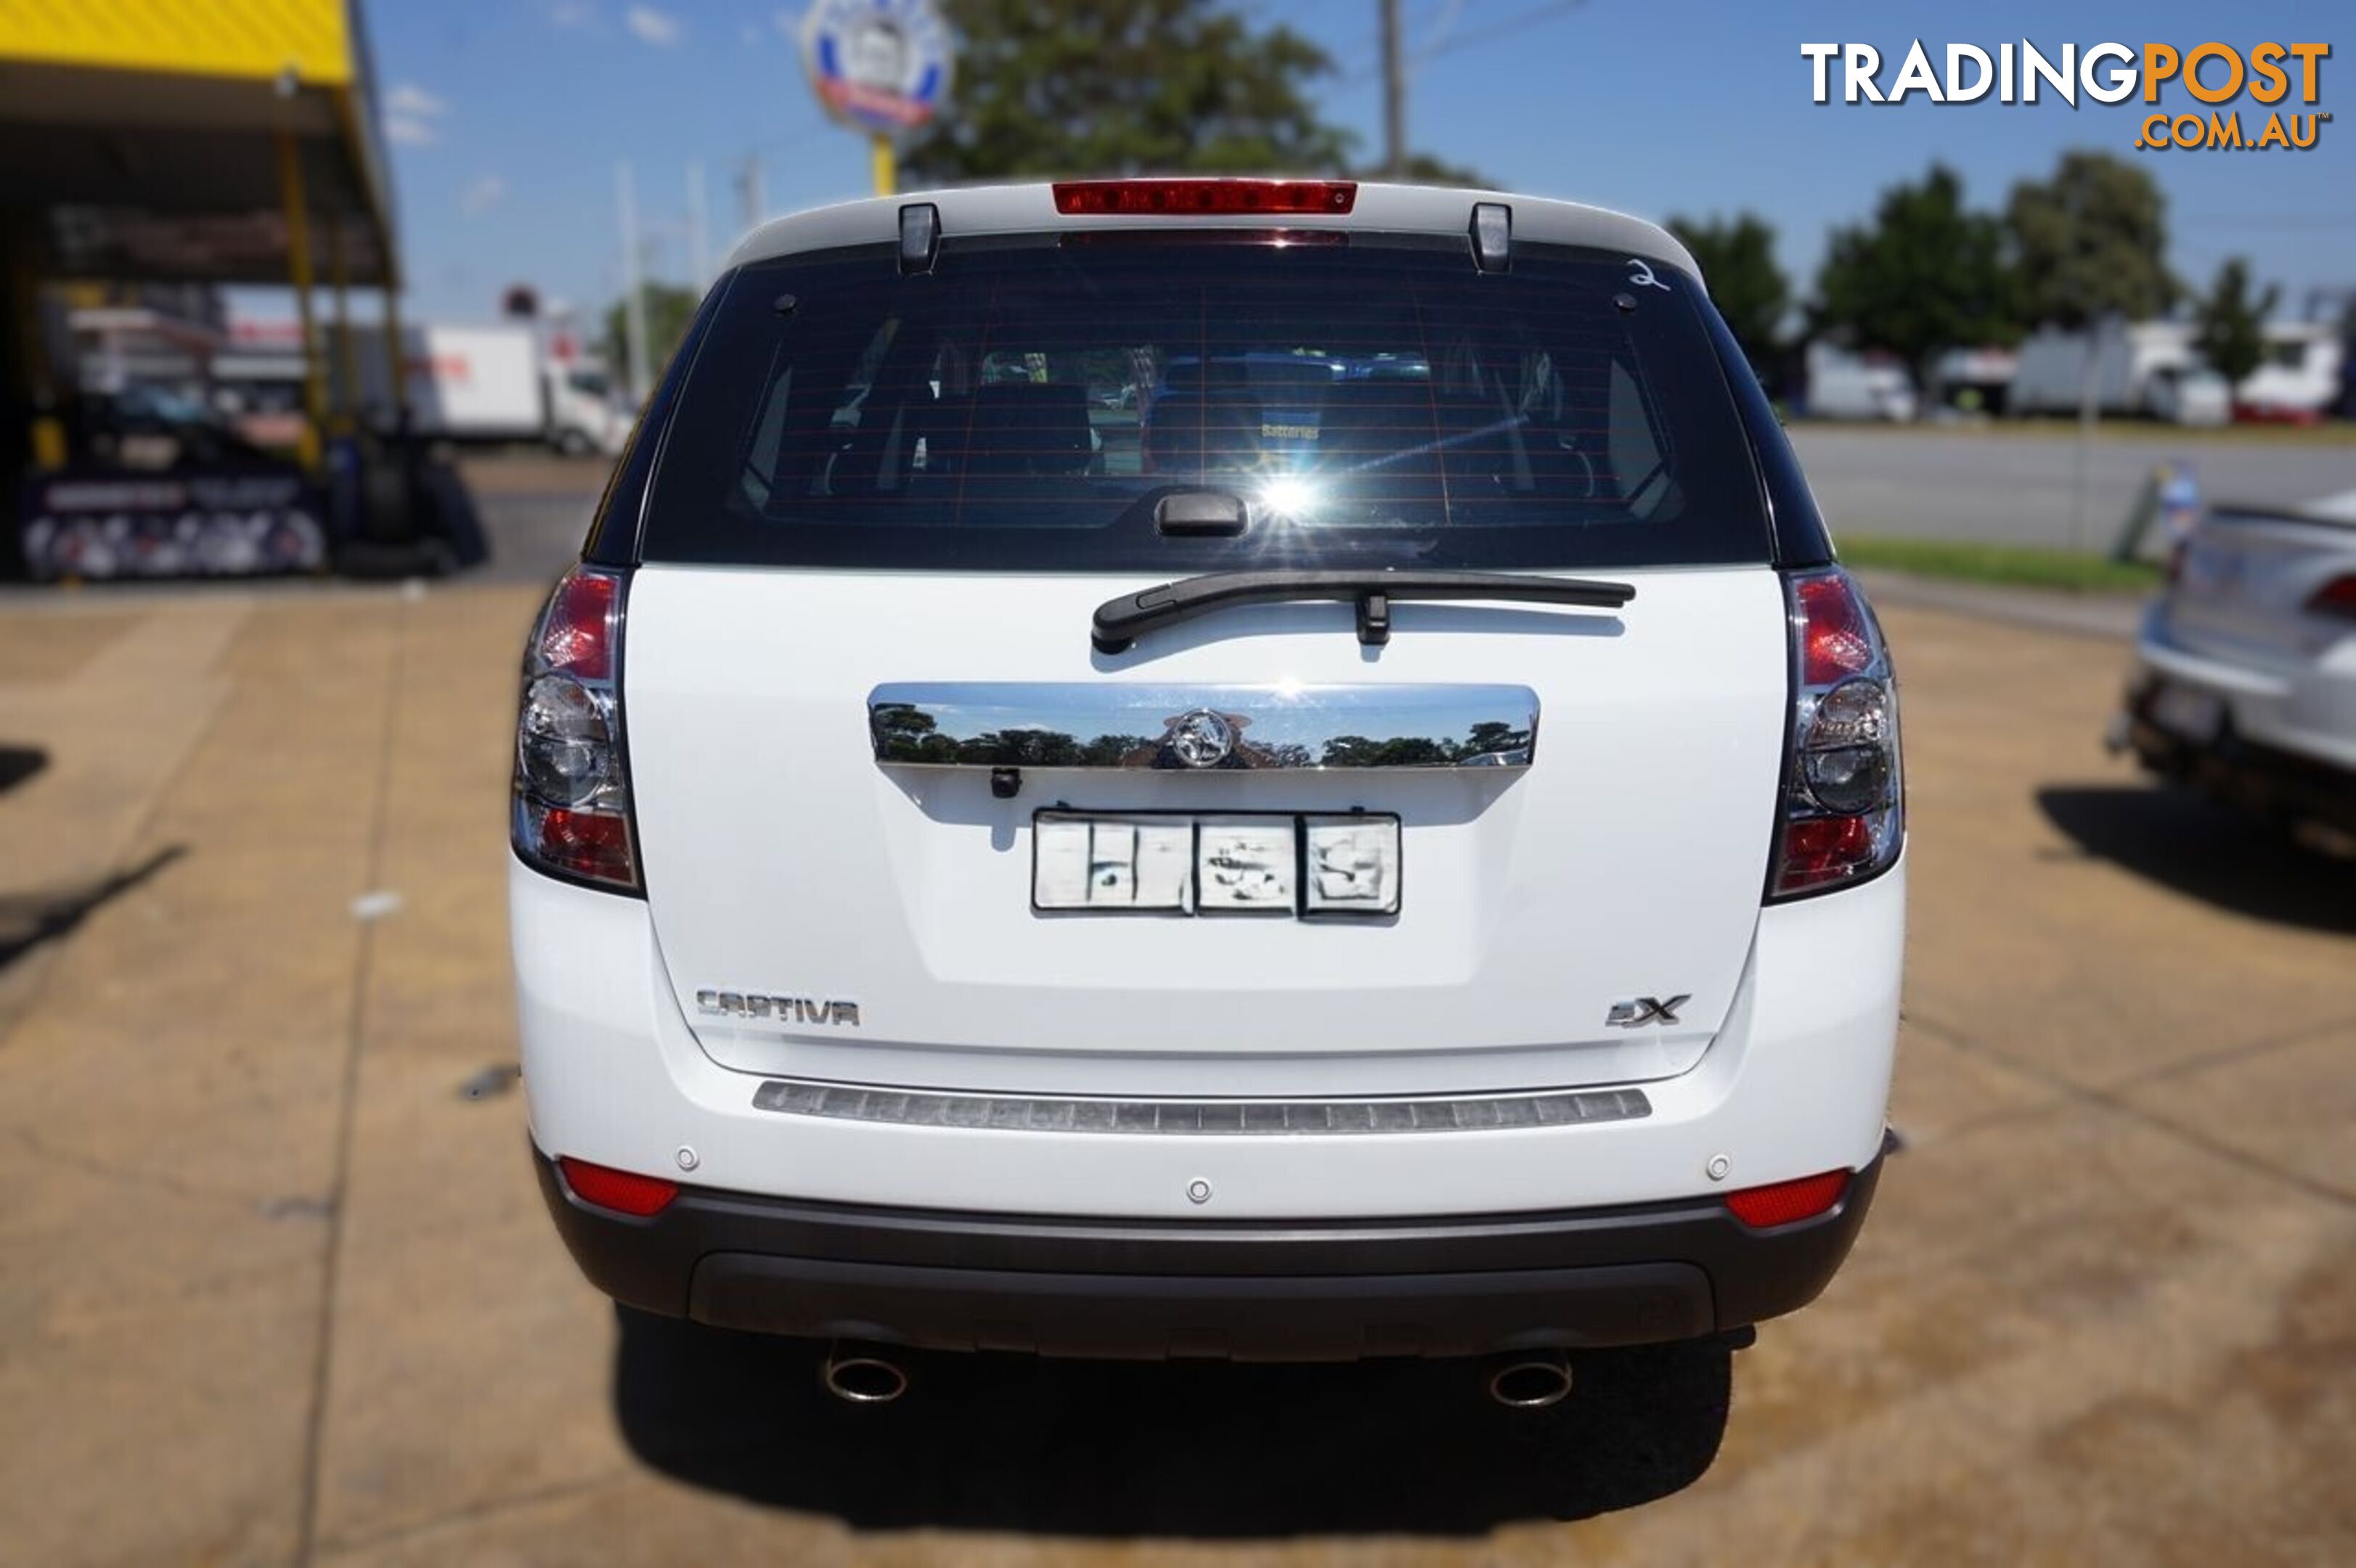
<point>591,843</point>
<point>1822,849</point>
<point>1837,642</point>
<point>1181,197</point>
<point>1844,815</point>
<point>2336,598</point>
<point>571,813</point>
<point>1788,1202</point>
<point>623,1192</point>
<point>577,632</point>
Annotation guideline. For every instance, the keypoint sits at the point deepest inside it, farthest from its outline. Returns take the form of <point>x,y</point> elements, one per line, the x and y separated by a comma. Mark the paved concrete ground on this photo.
<point>2018,487</point>
<point>274,1288</point>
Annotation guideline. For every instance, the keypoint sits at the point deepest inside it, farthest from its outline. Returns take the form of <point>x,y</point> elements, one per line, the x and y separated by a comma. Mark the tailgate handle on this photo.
<point>1047,724</point>
<point>1199,513</point>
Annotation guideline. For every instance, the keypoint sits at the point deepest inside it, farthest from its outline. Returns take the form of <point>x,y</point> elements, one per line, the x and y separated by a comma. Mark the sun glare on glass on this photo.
<point>1288,499</point>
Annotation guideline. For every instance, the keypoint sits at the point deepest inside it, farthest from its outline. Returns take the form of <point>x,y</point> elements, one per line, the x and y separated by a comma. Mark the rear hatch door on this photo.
<point>903,480</point>
<point>784,861</point>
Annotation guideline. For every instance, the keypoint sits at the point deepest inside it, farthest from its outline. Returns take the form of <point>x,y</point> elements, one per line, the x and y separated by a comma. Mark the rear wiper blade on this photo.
<point>1120,621</point>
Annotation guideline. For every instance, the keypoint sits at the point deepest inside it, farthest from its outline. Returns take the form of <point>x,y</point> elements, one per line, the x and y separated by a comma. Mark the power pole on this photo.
<point>751,199</point>
<point>1393,94</point>
<point>634,299</point>
<point>698,257</point>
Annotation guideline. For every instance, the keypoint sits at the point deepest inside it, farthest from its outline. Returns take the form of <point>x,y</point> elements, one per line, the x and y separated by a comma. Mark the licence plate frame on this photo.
<point>2188,713</point>
<point>1297,865</point>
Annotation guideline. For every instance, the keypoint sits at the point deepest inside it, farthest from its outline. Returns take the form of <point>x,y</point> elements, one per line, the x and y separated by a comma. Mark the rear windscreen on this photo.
<point>1369,399</point>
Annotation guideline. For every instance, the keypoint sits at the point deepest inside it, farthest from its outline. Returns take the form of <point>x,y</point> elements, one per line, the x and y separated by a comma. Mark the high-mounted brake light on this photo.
<point>1788,1202</point>
<point>1181,197</point>
<point>1844,807</point>
<point>623,1192</point>
<point>571,812</point>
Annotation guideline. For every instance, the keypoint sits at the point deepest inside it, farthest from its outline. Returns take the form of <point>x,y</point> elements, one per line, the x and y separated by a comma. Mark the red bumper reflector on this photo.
<point>1178,197</point>
<point>623,1192</point>
<point>1787,1202</point>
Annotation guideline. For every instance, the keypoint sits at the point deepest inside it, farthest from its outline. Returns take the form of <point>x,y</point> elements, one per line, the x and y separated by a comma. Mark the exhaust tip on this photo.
<point>861,1378</point>
<point>1537,1382</point>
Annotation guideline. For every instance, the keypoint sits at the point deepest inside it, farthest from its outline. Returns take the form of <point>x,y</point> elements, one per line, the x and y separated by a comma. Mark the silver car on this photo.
<point>2244,682</point>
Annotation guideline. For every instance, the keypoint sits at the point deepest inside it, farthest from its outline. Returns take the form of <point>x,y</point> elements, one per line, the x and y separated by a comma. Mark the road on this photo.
<point>2009,486</point>
<point>2018,489</point>
<point>277,1284</point>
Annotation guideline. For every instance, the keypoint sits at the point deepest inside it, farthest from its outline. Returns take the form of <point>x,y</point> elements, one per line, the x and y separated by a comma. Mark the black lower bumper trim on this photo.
<point>2258,778</point>
<point>1262,1290</point>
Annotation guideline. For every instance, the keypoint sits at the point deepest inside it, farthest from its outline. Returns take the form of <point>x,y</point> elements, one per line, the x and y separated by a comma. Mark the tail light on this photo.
<point>1844,806</point>
<point>571,808</point>
<point>2336,598</point>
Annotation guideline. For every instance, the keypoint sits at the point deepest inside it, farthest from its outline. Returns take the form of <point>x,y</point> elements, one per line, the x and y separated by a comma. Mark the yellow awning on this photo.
<point>145,134</point>
<point>255,39</point>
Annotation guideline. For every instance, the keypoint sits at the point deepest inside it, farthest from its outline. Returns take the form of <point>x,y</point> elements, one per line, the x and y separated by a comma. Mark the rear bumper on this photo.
<point>1795,1081</point>
<point>2249,774</point>
<point>1261,1290</point>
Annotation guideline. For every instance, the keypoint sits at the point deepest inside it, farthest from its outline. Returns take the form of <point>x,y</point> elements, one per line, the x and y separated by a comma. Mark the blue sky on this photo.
<point>509,116</point>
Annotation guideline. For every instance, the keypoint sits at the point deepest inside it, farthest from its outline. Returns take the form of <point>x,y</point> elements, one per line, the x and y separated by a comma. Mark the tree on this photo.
<point>2090,241</point>
<point>1422,168</point>
<point>1111,87</point>
<point>669,310</point>
<point>2232,325</point>
<point>1924,276</point>
<point>1737,257</point>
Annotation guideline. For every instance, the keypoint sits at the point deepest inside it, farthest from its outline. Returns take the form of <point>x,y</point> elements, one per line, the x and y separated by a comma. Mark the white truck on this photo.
<point>1417,869</point>
<point>2147,369</point>
<point>493,383</point>
<point>1843,385</point>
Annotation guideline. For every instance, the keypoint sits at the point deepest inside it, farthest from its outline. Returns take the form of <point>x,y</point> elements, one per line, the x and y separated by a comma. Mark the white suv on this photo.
<point>1074,805</point>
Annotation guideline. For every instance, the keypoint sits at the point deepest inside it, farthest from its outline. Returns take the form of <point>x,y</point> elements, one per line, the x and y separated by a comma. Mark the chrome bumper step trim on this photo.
<point>1199,1118</point>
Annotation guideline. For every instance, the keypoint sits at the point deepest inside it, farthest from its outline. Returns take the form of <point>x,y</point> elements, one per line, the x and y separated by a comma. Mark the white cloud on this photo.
<point>408,98</point>
<point>572,12</point>
<point>482,194</point>
<point>410,113</point>
<point>653,26</point>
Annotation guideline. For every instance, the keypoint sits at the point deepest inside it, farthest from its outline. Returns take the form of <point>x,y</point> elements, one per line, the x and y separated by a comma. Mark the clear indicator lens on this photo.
<point>1849,779</point>
<point>564,742</point>
<point>1854,713</point>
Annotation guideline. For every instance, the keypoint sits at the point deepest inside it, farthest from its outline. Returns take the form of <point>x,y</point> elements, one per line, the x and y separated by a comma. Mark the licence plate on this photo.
<point>2193,715</point>
<point>1215,863</point>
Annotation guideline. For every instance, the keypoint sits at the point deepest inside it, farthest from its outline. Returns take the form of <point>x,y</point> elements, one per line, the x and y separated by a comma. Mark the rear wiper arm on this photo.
<point>1120,621</point>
